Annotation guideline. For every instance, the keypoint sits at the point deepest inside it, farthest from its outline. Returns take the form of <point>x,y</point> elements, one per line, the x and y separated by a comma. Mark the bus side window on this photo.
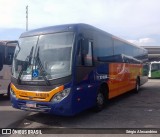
<point>88,58</point>
<point>79,58</point>
<point>85,53</point>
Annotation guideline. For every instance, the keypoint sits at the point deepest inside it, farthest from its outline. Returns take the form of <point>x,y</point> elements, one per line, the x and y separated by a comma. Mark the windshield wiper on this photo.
<point>43,72</point>
<point>28,61</point>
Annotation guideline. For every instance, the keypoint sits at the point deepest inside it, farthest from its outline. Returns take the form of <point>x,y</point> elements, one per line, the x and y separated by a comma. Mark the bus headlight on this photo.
<point>12,92</point>
<point>60,95</point>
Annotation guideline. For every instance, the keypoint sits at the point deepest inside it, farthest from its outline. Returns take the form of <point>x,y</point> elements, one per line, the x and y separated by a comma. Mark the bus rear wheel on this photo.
<point>137,86</point>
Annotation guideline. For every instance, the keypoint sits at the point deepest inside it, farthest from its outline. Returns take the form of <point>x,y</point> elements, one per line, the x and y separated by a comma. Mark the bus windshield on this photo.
<point>43,57</point>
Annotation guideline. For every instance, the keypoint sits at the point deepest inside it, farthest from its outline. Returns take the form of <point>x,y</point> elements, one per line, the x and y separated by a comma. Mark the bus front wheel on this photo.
<point>101,99</point>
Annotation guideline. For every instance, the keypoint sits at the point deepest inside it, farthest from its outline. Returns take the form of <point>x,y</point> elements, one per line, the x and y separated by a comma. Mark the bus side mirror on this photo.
<point>85,47</point>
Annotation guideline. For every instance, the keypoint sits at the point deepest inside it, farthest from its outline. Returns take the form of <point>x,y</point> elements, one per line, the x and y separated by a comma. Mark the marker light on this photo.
<point>60,95</point>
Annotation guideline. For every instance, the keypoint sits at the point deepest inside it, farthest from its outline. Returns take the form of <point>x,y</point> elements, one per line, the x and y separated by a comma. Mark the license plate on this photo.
<point>30,105</point>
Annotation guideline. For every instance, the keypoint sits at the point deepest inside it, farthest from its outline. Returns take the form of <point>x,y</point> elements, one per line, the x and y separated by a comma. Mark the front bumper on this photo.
<point>62,108</point>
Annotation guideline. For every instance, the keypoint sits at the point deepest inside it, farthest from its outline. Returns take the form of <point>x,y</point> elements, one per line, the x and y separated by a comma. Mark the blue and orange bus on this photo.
<point>66,69</point>
<point>6,56</point>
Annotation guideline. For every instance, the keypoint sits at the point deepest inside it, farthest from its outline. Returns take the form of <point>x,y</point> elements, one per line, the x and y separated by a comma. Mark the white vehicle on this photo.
<point>6,56</point>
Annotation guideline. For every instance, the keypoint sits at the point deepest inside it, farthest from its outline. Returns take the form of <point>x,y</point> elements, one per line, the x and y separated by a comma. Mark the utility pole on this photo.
<point>27,18</point>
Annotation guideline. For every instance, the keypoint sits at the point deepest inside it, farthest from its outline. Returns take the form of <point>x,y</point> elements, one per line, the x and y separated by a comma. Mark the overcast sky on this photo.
<point>137,21</point>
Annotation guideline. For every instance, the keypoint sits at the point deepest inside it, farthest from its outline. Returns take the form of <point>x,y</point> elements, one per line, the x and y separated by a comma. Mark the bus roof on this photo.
<point>4,42</point>
<point>50,29</point>
<point>70,27</point>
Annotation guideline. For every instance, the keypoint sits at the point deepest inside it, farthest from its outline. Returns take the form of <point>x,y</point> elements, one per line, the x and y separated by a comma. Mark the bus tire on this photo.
<point>137,86</point>
<point>101,99</point>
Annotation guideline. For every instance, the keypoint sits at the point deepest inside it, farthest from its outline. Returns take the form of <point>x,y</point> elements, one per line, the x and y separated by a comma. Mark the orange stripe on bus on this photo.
<point>122,77</point>
<point>44,96</point>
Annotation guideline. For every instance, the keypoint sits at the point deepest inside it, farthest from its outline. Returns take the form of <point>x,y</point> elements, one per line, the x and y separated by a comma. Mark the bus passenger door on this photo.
<point>84,74</point>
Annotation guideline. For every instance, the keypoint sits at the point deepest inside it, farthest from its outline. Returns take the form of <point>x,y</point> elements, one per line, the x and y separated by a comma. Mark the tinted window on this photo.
<point>118,47</point>
<point>88,58</point>
<point>103,46</point>
<point>85,59</point>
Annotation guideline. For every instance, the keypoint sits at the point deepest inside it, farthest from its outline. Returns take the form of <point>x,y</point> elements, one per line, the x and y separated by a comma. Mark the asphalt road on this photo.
<point>129,111</point>
<point>9,117</point>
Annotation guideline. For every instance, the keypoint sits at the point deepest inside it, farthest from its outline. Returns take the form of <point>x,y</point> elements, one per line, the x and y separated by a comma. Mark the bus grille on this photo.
<point>39,107</point>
